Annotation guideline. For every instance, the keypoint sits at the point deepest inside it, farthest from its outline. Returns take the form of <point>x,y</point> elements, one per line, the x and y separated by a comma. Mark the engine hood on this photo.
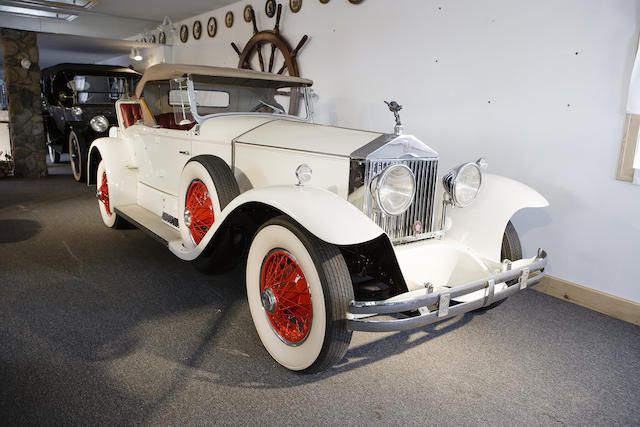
<point>301,136</point>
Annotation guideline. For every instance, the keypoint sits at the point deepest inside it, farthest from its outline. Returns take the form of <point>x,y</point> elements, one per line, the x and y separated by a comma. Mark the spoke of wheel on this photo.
<point>233,45</point>
<point>276,28</point>
<point>284,66</point>
<point>271,58</point>
<point>259,48</point>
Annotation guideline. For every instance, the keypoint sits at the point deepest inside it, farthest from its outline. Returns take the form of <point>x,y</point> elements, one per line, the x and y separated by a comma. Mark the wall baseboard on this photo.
<point>601,302</point>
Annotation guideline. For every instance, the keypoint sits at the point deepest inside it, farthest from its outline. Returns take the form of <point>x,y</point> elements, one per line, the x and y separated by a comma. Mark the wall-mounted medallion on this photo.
<point>162,37</point>
<point>355,1</point>
<point>248,13</point>
<point>324,1</point>
<point>270,8</point>
<point>295,5</point>
<point>184,33</point>
<point>197,30</point>
<point>212,27</point>
<point>228,19</point>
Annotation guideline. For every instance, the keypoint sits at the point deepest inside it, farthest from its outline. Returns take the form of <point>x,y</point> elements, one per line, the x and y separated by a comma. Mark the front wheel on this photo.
<point>298,289</point>
<point>511,250</point>
<point>77,156</point>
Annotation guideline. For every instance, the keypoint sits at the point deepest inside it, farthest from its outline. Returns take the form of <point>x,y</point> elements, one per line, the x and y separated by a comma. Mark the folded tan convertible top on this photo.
<point>229,75</point>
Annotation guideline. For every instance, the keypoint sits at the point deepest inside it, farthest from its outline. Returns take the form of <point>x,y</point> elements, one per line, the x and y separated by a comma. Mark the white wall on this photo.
<point>539,88</point>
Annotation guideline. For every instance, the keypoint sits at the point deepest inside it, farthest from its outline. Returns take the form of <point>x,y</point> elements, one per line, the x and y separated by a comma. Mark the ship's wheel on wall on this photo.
<point>281,60</point>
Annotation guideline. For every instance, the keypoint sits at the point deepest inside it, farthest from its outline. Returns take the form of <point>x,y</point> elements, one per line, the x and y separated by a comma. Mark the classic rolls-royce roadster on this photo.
<point>78,106</point>
<point>340,230</point>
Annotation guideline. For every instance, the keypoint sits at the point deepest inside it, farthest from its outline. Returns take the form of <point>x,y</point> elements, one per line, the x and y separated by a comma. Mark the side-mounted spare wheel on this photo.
<point>298,288</point>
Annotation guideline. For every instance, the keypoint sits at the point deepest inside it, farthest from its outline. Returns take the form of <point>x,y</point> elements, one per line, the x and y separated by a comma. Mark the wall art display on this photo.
<point>248,12</point>
<point>270,8</point>
<point>197,30</point>
<point>295,5</point>
<point>212,27</point>
<point>280,53</point>
<point>184,33</point>
<point>228,19</point>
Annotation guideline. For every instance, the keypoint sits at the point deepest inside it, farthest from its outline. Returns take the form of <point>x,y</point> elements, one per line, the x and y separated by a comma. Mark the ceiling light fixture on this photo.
<point>135,54</point>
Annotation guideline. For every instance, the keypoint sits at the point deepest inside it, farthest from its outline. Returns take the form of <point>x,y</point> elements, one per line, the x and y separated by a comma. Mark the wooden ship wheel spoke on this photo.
<point>281,57</point>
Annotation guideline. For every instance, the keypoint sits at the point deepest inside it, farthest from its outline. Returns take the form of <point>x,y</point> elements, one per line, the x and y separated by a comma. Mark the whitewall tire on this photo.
<point>109,217</point>
<point>77,156</point>
<point>286,263</point>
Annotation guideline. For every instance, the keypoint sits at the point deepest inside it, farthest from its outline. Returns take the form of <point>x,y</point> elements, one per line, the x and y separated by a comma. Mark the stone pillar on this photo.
<point>25,111</point>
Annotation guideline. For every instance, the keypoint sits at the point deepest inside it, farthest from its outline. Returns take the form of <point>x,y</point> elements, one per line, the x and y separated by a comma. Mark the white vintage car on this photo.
<point>341,230</point>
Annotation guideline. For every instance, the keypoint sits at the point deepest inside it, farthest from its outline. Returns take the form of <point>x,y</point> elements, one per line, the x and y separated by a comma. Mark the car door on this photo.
<point>168,150</point>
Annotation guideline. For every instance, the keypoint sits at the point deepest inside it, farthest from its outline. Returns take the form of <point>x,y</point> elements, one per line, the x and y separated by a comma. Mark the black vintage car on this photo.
<point>78,107</point>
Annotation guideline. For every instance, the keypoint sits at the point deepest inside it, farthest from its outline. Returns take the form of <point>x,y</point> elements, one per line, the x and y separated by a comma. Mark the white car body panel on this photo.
<point>259,166</point>
<point>119,160</point>
<point>308,137</point>
<point>324,214</point>
<point>481,225</point>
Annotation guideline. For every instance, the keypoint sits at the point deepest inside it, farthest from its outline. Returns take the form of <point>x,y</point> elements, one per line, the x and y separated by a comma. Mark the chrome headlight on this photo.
<point>99,123</point>
<point>76,111</point>
<point>393,189</point>
<point>463,183</point>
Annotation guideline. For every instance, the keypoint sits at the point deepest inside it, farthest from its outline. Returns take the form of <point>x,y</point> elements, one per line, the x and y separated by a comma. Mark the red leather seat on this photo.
<point>168,121</point>
<point>131,113</point>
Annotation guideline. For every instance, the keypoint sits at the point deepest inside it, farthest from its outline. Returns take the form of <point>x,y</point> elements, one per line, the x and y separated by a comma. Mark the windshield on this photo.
<point>98,89</point>
<point>255,96</point>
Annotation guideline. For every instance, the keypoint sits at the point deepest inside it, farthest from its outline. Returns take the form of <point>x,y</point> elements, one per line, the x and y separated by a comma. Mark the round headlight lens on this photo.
<point>394,189</point>
<point>99,123</point>
<point>466,184</point>
<point>76,111</point>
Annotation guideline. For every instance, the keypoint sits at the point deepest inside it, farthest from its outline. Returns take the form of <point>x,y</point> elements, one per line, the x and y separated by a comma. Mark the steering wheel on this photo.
<point>261,104</point>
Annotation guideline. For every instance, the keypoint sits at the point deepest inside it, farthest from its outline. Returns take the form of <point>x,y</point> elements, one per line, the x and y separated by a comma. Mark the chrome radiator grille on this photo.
<point>403,227</point>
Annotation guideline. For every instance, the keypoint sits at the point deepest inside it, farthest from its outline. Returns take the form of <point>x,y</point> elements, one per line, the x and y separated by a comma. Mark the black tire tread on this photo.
<point>338,291</point>
<point>511,250</point>
<point>222,176</point>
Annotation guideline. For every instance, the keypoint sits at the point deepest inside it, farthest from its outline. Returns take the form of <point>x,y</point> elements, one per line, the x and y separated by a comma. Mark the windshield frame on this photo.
<point>200,119</point>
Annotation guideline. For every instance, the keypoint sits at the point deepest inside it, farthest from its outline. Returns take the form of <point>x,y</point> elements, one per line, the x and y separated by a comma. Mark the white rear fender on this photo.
<point>119,165</point>
<point>325,215</point>
<point>481,225</point>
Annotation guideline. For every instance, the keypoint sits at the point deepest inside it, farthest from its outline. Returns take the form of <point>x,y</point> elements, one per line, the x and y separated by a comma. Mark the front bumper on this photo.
<point>435,307</point>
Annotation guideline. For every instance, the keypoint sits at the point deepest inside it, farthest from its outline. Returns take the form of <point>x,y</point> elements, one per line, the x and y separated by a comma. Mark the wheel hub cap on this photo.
<point>187,217</point>
<point>269,301</point>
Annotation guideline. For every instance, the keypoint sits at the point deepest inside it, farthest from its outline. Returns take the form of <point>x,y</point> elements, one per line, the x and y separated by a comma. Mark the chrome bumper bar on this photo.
<point>442,300</point>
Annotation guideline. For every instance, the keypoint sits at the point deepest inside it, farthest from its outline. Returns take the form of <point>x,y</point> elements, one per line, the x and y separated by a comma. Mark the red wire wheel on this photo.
<point>104,193</point>
<point>199,216</point>
<point>286,298</point>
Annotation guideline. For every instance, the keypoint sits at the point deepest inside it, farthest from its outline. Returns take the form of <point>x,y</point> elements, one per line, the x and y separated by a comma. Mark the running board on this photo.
<point>149,222</point>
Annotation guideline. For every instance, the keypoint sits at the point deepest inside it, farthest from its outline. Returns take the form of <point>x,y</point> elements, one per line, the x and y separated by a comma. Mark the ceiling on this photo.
<point>158,9</point>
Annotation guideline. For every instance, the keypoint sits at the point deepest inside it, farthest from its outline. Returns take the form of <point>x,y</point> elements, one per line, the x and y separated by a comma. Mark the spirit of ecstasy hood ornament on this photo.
<point>395,108</point>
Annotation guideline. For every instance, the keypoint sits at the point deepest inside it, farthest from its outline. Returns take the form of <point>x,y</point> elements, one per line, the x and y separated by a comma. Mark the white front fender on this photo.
<point>121,174</point>
<point>481,225</point>
<point>324,214</point>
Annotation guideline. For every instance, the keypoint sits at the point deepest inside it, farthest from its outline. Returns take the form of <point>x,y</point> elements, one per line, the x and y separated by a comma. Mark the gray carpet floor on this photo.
<point>101,326</point>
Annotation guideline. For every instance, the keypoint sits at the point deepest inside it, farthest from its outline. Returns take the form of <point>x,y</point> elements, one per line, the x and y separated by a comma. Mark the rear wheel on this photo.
<point>298,289</point>
<point>77,156</point>
<point>109,217</point>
